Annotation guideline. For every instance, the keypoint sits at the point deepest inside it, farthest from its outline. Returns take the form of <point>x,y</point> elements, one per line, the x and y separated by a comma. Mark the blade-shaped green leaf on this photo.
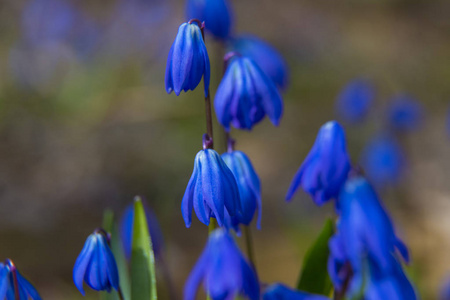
<point>143,279</point>
<point>314,276</point>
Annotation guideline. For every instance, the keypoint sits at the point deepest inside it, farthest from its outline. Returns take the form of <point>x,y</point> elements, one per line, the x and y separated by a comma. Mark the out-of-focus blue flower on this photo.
<point>215,13</point>
<point>383,161</point>
<point>404,113</point>
<point>444,293</point>
<point>212,190</point>
<point>224,271</point>
<point>265,56</point>
<point>354,101</point>
<point>248,184</point>
<point>325,169</point>
<point>188,60</point>
<point>245,95</point>
<point>281,292</point>
<point>26,289</point>
<point>96,265</point>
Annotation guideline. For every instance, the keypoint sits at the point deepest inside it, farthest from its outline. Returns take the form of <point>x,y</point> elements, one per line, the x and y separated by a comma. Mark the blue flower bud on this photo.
<point>212,190</point>
<point>404,114</point>
<point>188,60</point>
<point>325,169</point>
<point>96,265</point>
<point>26,290</point>
<point>248,184</point>
<point>224,271</point>
<point>354,101</point>
<point>245,95</point>
<point>281,292</point>
<point>215,13</point>
<point>265,56</point>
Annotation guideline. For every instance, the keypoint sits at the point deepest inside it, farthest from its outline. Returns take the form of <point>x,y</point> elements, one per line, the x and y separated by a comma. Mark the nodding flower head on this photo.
<point>355,99</point>
<point>279,291</point>
<point>224,271</point>
<point>188,60</point>
<point>11,281</point>
<point>325,169</point>
<point>245,95</point>
<point>96,264</point>
<point>404,113</point>
<point>216,14</point>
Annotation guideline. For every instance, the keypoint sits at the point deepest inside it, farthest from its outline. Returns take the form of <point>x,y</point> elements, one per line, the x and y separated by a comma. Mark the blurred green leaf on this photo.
<point>143,279</point>
<point>314,276</point>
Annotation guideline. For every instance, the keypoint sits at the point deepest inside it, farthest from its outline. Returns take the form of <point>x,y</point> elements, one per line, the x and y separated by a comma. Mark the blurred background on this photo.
<point>86,124</point>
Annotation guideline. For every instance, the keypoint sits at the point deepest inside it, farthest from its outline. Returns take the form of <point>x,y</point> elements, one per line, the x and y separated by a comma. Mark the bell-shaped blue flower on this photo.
<point>216,14</point>
<point>188,60</point>
<point>279,291</point>
<point>404,113</point>
<point>96,265</point>
<point>355,99</point>
<point>8,275</point>
<point>245,95</point>
<point>212,191</point>
<point>248,184</point>
<point>223,270</point>
<point>325,169</point>
<point>265,56</point>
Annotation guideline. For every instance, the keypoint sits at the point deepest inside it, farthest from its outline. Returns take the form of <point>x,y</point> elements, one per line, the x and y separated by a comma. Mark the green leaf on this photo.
<point>143,279</point>
<point>314,276</point>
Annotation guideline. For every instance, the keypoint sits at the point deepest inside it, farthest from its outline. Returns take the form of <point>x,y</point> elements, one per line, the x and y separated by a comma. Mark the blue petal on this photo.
<point>96,276</point>
<point>4,281</point>
<point>82,262</point>
<point>28,287</point>
<point>188,198</point>
<point>196,276</point>
<point>110,263</point>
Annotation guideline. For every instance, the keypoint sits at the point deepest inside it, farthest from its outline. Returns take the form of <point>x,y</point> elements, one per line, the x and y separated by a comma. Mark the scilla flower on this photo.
<point>188,60</point>
<point>96,265</point>
<point>215,13</point>
<point>248,184</point>
<point>223,270</point>
<point>326,167</point>
<point>265,56</point>
<point>404,113</point>
<point>281,292</point>
<point>9,278</point>
<point>245,95</point>
<point>354,101</point>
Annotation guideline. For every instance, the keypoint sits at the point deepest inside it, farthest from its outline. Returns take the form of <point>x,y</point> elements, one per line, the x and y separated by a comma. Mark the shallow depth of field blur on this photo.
<point>86,124</point>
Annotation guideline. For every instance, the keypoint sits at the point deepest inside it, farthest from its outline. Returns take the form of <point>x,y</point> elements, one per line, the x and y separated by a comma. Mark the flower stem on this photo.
<point>119,292</point>
<point>208,113</point>
<point>212,225</point>
<point>249,245</point>
<point>340,295</point>
<point>13,270</point>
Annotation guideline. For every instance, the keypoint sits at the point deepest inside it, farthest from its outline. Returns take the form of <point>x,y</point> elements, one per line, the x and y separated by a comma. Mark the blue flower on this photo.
<point>354,101</point>
<point>404,114</point>
<point>281,292</point>
<point>212,190</point>
<point>224,271</point>
<point>188,60</point>
<point>248,184</point>
<point>326,167</point>
<point>7,273</point>
<point>245,95</point>
<point>383,161</point>
<point>265,56</point>
<point>96,265</point>
<point>444,293</point>
<point>215,13</point>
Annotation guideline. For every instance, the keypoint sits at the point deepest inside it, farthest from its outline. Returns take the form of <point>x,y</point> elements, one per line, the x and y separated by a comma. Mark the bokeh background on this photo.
<point>86,124</point>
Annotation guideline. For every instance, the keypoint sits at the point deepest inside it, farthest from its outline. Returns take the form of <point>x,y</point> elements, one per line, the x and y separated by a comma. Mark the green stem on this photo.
<point>119,292</point>
<point>212,225</point>
<point>249,245</point>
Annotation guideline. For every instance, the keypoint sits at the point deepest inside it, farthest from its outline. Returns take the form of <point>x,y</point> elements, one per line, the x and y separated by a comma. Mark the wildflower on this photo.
<point>215,13</point>
<point>245,95</point>
<point>188,60</point>
<point>96,265</point>
<point>9,277</point>
<point>265,56</point>
<point>404,114</point>
<point>248,184</point>
<point>281,292</point>
<point>325,169</point>
<point>224,271</point>
<point>354,101</point>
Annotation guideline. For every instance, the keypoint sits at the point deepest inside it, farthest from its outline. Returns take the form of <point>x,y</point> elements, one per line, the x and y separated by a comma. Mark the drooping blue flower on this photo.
<point>444,293</point>
<point>265,56</point>
<point>26,290</point>
<point>223,270</point>
<point>188,60</point>
<point>279,291</point>
<point>248,184</point>
<point>383,161</point>
<point>355,99</point>
<point>212,191</point>
<point>404,113</point>
<point>216,14</point>
<point>325,169</point>
<point>245,95</point>
<point>96,265</point>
